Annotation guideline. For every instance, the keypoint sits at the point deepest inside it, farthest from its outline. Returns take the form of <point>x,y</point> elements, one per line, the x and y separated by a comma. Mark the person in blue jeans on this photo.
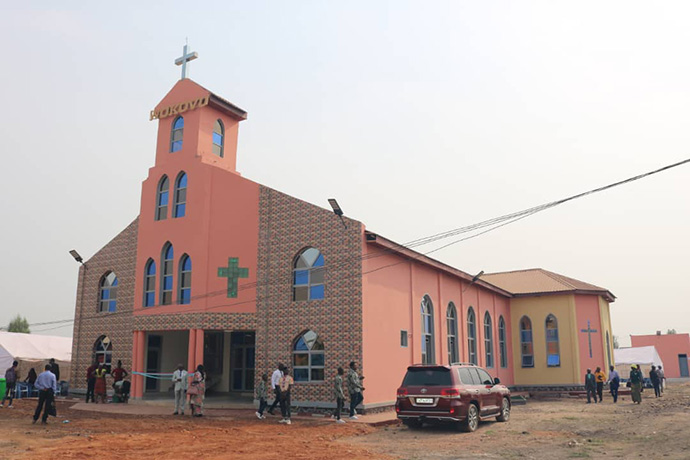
<point>355,388</point>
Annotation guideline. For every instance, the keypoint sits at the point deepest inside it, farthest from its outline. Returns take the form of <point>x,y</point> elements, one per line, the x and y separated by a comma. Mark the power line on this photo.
<point>490,225</point>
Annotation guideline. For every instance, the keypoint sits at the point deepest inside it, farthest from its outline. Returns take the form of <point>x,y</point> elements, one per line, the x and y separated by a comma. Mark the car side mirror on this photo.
<point>497,381</point>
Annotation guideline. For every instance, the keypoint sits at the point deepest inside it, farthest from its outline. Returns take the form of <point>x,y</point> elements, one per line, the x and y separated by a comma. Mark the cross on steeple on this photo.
<point>186,57</point>
<point>589,331</point>
<point>233,273</point>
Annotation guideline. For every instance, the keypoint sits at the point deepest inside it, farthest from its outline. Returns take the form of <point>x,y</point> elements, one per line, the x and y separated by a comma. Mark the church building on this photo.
<point>222,271</point>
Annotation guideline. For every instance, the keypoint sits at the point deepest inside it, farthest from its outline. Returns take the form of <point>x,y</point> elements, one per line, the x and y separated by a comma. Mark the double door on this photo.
<point>242,361</point>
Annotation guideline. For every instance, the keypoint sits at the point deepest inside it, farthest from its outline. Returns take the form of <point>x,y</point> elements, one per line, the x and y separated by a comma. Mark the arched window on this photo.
<point>218,138</point>
<point>308,275</point>
<point>608,349</point>
<point>176,134</point>
<point>488,341</point>
<point>553,353</point>
<point>308,358</point>
<point>452,324</point>
<point>167,274</point>
<point>502,342</point>
<point>180,203</point>
<point>428,352</point>
<point>150,284</point>
<point>108,292</point>
<point>471,336</point>
<point>162,198</point>
<point>103,351</point>
<point>526,346</point>
<point>185,284</point>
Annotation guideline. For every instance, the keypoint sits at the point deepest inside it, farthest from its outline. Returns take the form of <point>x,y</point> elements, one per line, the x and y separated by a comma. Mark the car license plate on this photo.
<point>425,400</point>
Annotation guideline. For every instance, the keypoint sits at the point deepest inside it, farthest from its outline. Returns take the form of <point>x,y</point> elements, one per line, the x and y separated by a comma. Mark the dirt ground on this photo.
<point>563,428</point>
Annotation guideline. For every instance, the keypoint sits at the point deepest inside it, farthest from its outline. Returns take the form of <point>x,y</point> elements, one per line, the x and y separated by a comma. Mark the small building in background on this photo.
<point>674,350</point>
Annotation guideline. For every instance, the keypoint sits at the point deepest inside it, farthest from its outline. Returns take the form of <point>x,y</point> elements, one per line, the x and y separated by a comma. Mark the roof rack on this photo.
<point>462,364</point>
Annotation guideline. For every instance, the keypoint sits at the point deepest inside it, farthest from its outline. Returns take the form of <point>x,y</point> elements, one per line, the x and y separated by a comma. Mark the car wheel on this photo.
<point>412,423</point>
<point>505,411</point>
<point>472,420</point>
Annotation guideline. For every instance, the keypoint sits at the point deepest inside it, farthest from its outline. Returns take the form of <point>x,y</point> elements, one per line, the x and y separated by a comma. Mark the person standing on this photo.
<point>636,383</point>
<point>600,377</point>
<point>262,396</point>
<point>10,384</point>
<point>614,383</point>
<point>286,383</point>
<point>275,385</point>
<point>55,369</point>
<point>99,385</point>
<point>355,388</point>
<point>197,389</point>
<point>118,374</point>
<point>46,384</point>
<point>31,380</point>
<point>91,381</point>
<point>656,382</point>
<point>339,395</point>
<point>179,379</point>
<point>590,386</point>
<point>662,379</point>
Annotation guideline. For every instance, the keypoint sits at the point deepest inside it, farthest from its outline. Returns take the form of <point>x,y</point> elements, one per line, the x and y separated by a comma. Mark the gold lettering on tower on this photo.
<point>179,108</point>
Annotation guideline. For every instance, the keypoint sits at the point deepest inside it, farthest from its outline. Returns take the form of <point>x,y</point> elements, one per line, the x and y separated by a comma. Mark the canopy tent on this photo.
<point>33,350</point>
<point>644,356</point>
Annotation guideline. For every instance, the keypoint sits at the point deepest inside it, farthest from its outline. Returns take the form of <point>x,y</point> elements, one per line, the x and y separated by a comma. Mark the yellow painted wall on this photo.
<point>537,309</point>
<point>605,313</point>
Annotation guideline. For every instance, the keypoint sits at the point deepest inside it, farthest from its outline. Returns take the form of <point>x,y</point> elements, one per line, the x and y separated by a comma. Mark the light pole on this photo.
<point>79,259</point>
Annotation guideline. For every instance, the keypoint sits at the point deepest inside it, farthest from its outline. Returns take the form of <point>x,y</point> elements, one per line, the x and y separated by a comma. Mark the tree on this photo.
<point>616,345</point>
<point>19,324</point>
<point>671,331</point>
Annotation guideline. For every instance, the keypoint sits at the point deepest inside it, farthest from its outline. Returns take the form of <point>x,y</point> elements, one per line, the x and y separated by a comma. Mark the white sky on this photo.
<point>418,116</point>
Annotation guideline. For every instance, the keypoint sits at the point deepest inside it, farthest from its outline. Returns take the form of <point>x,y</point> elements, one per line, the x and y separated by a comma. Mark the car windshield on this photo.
<point>427,377</point>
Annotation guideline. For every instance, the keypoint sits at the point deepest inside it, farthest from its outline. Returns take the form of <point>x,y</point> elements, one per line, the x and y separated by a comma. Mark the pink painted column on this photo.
<point>191,350</point>
<point>138,364</point>
<point>199,355</point>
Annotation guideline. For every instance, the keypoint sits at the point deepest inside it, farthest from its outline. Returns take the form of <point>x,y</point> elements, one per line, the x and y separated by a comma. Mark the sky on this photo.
<point>418,116</point>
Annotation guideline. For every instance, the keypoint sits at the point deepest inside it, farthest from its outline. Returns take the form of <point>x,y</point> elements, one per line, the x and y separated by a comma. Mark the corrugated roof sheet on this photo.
<point>540,281</point>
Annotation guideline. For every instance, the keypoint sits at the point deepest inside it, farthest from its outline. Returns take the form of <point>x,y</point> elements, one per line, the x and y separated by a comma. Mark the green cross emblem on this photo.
<point>233,272</point>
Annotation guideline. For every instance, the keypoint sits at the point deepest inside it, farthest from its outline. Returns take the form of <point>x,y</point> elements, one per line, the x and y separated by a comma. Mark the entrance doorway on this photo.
<point>242,361</point>
<point>683,365</point>
<point>153,360</point>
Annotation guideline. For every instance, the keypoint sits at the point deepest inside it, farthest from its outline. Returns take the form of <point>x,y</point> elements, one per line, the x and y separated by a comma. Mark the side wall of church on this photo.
<point>286,227</point>
<point>118,256</point>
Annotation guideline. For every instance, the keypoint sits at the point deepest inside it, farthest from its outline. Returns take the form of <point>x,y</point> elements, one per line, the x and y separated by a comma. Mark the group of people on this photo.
<point>282,383</point>
<point>12,378</point>
<point>594,383</point>
<point>189,391</point>
<point>96,385</point>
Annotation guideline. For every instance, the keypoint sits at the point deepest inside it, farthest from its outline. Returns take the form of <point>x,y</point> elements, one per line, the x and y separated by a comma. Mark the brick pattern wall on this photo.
<point>119,256</point>
<point>287,226</point>
<point>206,321</point>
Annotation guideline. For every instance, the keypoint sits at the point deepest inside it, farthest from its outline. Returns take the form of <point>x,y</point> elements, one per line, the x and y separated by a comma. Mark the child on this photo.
<point>339,395</point>
<point>285,386</point>
<point>262,395</point>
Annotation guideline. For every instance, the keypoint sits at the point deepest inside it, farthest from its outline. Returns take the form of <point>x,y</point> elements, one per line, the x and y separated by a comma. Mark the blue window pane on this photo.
<point>317,359</point>
<point>182,181</point>
<point>151,269</point>
<point>149,299</point>
<point>105,294</point>
<point>301,345</point>
<point>187,264</point>
<point>167,283</point>
<point>554,360</point>
<point>179,123</point>
<point>176,146</point>
<point>180,210</point>
<point>115,282</point>
<point>112,305</point>
<point>169,253</point>
<point>301,375</point>
<point>163,199</point>
<point>319,261</point>
<point>316,292</point>
<point>526,336</point>
<point>186,296</point>
<point>301,277</point>
<point>217,139</point>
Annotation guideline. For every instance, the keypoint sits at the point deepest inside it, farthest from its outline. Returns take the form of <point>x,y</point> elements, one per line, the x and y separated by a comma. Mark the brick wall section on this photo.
<point>287,226</point>
<point>206,321</point>
<point>119,256</point>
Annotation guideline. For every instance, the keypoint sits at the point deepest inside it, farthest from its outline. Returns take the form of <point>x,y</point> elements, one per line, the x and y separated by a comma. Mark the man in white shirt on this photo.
<point>275,384</point>
<point>46,384</point>
<point>179,378</point>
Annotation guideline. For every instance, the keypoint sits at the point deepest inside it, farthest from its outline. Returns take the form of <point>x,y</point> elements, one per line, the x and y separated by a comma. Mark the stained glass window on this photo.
<point>526,345</point>
<point>452,325</point>
<point>553,354</point>
<point>176,135</point>
<point>308,276</point>
<point>308,358</point>
<point>108,293</point>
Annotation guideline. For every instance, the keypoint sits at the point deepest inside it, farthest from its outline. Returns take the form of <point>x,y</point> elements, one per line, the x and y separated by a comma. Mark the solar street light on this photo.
<point>337,210</point>
<point>76,256</point>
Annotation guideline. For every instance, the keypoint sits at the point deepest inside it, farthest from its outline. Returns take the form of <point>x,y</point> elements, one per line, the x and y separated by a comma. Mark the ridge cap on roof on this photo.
<point>516,271</point>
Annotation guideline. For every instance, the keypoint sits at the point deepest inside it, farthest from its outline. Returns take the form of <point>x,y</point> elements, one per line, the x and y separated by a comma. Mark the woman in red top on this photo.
<point>118,373</point>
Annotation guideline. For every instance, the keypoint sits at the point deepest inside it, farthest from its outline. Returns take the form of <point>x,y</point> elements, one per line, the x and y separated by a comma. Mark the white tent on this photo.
<point>34,349</point>
<point>644,356</point>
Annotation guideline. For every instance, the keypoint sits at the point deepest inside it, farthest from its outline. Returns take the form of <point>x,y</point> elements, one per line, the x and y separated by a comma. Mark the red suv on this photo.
<point>460,393</point>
